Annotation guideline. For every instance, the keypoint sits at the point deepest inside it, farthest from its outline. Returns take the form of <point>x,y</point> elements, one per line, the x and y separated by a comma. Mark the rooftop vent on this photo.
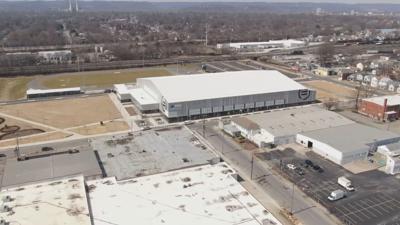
<point>5,208</point>
<point>6,198</point>
<point>3,222</point>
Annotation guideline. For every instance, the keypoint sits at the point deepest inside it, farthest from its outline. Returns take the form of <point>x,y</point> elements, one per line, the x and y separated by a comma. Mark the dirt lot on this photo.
<point>107,127</point>
<point>11,128</point>
<point>66,113</point>
<point>99,78</point>
<point>13,88</point>
<point>327,90</point>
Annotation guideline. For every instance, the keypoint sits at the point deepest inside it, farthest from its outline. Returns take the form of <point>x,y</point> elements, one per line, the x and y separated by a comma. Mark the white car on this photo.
<point>291,166</point>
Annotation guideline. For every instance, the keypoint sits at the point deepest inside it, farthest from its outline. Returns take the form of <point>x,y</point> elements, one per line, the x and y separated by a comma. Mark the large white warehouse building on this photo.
<point>195,96</point>
<point>347,143</point>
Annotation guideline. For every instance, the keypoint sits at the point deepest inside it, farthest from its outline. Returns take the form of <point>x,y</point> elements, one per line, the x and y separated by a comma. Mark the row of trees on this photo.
<point>17,29</point>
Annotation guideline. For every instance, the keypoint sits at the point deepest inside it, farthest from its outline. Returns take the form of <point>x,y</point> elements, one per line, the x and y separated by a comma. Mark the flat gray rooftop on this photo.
<point>150,152</point>
<point>351,137</point>
<point>50,167</point>
<point>295,120</point>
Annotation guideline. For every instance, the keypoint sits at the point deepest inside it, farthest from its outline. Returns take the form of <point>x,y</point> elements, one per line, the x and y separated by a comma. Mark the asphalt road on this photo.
<point>304,209</point>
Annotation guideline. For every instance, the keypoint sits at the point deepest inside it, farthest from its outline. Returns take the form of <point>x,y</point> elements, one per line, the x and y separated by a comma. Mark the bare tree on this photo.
<point>325,53</point>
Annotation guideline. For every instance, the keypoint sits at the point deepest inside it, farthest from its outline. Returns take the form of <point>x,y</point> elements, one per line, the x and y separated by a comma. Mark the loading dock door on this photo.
<point>309,144</point>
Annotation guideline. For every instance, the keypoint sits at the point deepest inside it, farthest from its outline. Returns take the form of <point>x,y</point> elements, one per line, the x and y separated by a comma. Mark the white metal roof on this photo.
<point>392,100</point>
<point>142,96</point>
<point>47,91</point>
<point>285,43</point>
<point>300,119</point>
<point>54,202</point>
<point>199,195</point>
<point>351,137</point>
<point>185,88</point>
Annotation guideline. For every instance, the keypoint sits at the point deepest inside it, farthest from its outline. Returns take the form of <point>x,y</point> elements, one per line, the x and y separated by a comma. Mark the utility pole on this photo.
<point>17,150</point>
<point>206,34</point>
<point>204,128</point>
<point>252,165</point>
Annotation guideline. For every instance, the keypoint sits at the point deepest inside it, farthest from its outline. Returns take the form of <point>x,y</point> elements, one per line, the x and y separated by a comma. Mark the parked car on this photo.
<point>291,166</point>
<point>318,168</point>
<point>46,149</point>
<point>299,171</point>
<point>309,162</point>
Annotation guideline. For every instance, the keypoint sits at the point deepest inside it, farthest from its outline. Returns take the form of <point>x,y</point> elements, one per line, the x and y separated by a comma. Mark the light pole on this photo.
<point>252,165</point>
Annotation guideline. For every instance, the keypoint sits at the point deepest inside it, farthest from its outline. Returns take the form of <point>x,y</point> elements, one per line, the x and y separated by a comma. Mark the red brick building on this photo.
<point>381,108</point>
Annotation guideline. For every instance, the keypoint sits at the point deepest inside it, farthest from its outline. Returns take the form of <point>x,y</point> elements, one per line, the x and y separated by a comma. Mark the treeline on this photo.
<point>51,28</point>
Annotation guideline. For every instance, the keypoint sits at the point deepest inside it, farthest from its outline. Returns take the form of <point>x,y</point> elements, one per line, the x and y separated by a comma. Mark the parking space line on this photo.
<point>352,212</point>
<point>362,201</point>
<point>368,211</point>
<point>360,211</point>
<point>366,208</point>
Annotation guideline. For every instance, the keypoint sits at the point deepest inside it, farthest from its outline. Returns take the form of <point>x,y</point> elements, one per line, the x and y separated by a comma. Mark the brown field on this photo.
<point>101,79</point>
<point>327,90</point>
<point>66,113</point>
<point>13,88</point>
<point>112,126</point>
<point>23,125</point>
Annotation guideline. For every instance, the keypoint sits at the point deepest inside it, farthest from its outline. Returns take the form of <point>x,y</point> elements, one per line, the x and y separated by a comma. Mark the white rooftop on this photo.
<point>380,100</point>
<point>142,96</point>
<point>31,91</point>
<point>199,195</point>
<point>296,120</point>
<point>49,203</point>
<point>286,43</point>
<point>219,85</point>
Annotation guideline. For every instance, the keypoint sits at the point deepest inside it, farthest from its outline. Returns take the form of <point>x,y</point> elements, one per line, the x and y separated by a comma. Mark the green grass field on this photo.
<point>100,78</point>
<point>13,88</point>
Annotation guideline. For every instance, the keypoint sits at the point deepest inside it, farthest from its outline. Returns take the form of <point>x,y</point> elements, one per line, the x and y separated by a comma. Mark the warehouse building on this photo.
<point>263,45</point>
<point>42,93</point>
<point>384,108</point>
<point>282,126</point>
<point>347,143</point>
<point>204,95</point>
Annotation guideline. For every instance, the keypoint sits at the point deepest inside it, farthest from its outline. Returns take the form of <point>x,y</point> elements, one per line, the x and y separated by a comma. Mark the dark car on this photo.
<point>309,162</point>
<point>46,149</point>
<point>318,168</point>
<point>299,171</point>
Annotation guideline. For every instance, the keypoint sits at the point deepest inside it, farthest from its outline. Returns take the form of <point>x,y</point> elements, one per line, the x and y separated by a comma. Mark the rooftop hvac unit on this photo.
<point>3,222</point>
<point>5,208</point>
<point>6,198</point>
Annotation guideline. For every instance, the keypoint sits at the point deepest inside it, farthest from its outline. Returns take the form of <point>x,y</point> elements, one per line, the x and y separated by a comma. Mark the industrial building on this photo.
<point>384,108</point>
<point>204,95</point>
<point>347,143</point>
<point>270,128</point>
<point>208,194</point>
<point>57,201</point>
<point>263,45</point>
<point>50,167</point>
<point>40,93</point>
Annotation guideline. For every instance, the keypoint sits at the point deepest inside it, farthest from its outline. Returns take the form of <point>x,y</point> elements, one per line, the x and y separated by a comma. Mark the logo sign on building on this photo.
<point>163,104</point>
<point>304,94</point>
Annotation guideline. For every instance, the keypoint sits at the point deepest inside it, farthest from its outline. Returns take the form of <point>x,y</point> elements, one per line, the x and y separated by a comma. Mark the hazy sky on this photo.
<point>322,1</point>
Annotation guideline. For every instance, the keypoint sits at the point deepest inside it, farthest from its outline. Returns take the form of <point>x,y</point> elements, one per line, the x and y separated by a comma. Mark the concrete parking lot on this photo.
<point>375,201</point>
